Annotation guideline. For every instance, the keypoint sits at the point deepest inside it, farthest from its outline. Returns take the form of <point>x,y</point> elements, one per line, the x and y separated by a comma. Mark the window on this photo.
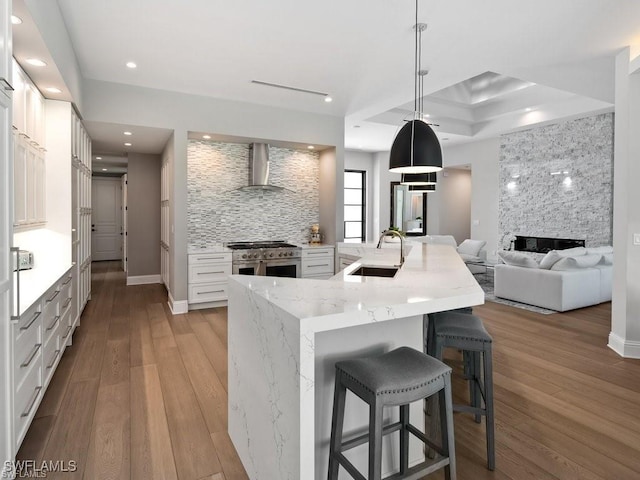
<point>354,205</point>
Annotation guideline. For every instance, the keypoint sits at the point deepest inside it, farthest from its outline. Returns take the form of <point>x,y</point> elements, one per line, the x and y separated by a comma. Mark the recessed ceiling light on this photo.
<point>127,144</point>
<point>311,147</point>
<point>556,173</point>
<point>206,137</point>
<point>426,115</point>
<point>445,139</point>
<point>128,133</point>
<point>328,99</point>
<point>53,90</point>
<point>15,20</point>
<point>36,62</point>
<point>360,147</point>
<point>98,158</point>
<point>528,109</point>
<point>131,65</point>
<point>356,126</point>
<point>104,169</point>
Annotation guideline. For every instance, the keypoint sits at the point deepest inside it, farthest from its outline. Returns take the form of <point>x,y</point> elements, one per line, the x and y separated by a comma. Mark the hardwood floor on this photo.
<point>142,394</point>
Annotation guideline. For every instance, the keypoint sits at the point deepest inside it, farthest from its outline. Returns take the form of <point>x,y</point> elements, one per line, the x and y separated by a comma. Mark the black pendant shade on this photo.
<point>418,178</point>
<point>422,188</point>
<point>416,149</point>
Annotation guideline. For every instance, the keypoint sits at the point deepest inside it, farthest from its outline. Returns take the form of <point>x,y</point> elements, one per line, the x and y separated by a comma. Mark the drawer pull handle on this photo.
<point>319,265</point>
<point>210,258</point>
<point>64,337</point>
<point>67,280</point>
<point>325,252</point>
<point>53,296</point>
<point>28,361</point>
<point>66,304</point>
<point>207,273</point>
<point>211,291</point>
<point>53,360</point>
<point>53,324</point>
<point>26,327</point>
<point>36,392</point>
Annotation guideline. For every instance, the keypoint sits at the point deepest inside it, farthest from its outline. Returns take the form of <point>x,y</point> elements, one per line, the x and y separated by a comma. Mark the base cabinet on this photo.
<point>318,262</point>
<point>208,279</point>
<point>39,339</point>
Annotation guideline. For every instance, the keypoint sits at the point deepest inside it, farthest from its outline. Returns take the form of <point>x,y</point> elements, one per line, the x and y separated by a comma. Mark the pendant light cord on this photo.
<point>415,84</point>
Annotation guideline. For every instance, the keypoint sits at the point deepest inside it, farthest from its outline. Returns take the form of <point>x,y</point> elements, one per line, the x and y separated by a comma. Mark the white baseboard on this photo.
<point>202,306</point>
<point>624,348</point>
<point>144,279</point>
<point>178,306</point>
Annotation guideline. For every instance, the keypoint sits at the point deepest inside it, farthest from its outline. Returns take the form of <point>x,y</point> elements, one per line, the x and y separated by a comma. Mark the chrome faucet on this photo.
<point>393,233</point>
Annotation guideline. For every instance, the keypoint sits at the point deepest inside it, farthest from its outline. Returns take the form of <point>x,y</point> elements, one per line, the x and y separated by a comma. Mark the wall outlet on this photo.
<point>636,238</point>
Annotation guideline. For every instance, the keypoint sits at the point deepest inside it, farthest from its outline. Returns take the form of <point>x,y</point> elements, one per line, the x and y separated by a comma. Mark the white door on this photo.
<point>123,186</point>
<point>106,219</point>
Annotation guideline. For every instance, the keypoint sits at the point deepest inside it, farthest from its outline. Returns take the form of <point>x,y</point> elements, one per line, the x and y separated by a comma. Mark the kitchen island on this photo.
<point>285,335</point>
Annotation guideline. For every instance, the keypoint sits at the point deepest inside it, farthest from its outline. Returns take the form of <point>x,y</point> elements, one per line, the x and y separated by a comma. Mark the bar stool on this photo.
<point>395,378</point>
<point>466,332</point>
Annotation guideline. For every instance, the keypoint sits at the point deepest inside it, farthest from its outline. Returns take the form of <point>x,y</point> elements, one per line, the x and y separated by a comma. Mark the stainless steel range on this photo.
<point>273,258</point>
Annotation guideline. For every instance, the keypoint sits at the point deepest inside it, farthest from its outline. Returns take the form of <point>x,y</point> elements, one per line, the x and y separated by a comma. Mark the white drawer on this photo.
<point>27,349</point>
<point>195,259</point>
<point>29,316</point>
<point>27,398</point>
<point>316,252</point>
<point>207,273</point>
<point>207,292</point>
<point>50,326</point>
<point>51,356</point>
<point>317,266</point>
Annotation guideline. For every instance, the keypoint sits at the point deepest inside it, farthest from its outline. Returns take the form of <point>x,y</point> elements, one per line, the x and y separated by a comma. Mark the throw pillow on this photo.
<point>574,263</point>
<point>607,259</point>
<point>572,252</point>
<point>550,259</point>
<point>603,249</point>
<point>471,247</point>
<point>517,259</point>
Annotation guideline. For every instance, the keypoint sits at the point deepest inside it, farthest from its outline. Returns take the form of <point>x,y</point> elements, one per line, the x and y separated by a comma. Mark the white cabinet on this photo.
<point>317,262</point>
<point>208,278</point>
<point>344,261</point>
<point>39,338</point>
<point>29,152</point>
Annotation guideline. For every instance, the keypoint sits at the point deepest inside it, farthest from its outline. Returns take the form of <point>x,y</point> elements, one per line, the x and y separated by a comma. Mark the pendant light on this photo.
<point>418,178</point>
<point>416,148</point>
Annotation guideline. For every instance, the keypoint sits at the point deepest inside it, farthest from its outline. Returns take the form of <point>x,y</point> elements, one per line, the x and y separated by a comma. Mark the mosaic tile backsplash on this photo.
<point>556,181</point>
<point>219,213</point>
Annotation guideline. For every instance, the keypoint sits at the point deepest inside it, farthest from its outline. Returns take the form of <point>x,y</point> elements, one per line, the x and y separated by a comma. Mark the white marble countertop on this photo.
<point>216,248</point>
<point>35,282</point>
<point>433,278</point>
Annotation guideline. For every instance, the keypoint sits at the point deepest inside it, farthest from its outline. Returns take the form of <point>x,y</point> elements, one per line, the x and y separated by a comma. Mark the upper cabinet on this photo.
<point>28,107</point>
<point>29,151</point>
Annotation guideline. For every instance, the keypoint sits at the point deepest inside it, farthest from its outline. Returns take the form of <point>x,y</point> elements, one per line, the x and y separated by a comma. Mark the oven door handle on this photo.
<point>261,270</point>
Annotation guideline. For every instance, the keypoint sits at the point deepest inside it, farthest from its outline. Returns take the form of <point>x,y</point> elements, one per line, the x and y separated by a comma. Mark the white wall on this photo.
<point>382,192</point>
<point>625,323</point>
<point>364,161</point>
<point>483,157</point>
<point>452,200</point>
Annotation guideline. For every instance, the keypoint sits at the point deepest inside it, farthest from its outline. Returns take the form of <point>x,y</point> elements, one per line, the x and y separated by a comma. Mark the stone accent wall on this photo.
<point>557,181</point>
<point>220,213</point>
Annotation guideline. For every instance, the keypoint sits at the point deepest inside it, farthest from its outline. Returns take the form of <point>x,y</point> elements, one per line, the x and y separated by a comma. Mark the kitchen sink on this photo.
<point>388,272</point>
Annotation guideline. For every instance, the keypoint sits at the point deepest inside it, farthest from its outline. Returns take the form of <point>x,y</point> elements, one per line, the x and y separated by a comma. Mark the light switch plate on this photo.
<point>636,238</point>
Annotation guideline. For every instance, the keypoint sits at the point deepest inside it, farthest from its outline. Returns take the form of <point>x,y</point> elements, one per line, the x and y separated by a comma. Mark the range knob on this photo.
<point>271,254</point>
<point>255,255</point>
<point>244,255</point>
<point>280,254</point>
<point>291,254</point>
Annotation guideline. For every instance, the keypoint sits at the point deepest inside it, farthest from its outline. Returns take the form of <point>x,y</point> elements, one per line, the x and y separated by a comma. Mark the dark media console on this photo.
<point>544,245</point>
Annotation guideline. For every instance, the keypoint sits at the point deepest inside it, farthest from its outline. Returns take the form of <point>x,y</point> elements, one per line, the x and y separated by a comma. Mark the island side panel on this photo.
<point>354,342</point>
<point>264,385</point>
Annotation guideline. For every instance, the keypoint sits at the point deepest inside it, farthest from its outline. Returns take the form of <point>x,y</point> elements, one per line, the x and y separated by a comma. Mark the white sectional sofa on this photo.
<point>562,286</point>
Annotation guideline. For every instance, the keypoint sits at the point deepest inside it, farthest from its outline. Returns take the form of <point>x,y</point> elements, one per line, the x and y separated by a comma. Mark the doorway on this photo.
<point>106,220</point>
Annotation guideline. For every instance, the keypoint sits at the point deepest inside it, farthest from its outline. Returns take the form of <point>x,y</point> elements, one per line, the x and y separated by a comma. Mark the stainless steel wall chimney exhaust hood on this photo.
<point>259,168</point>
